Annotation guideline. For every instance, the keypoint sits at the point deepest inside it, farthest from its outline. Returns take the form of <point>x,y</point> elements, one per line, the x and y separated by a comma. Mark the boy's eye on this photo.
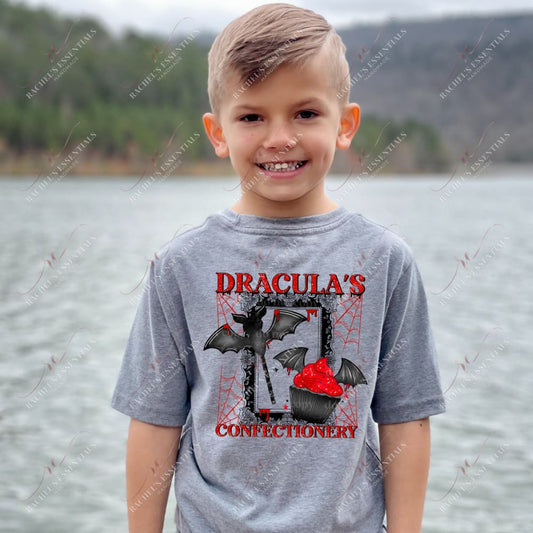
<point>250,118</point>
<point>307,114</point>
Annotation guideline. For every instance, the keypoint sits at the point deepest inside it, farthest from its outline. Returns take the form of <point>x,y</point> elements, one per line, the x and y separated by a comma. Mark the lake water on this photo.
<point>74,255</point>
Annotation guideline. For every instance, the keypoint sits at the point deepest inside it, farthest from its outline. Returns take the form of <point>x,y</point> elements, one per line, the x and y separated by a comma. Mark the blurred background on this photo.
<point>103,159</point>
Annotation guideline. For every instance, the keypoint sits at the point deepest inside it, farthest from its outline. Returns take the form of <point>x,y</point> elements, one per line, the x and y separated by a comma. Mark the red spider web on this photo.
<point>347,413</point>
<point>226,305</point>
<point>229,399</point>
<point>347,322</point>
<point>347,326</point>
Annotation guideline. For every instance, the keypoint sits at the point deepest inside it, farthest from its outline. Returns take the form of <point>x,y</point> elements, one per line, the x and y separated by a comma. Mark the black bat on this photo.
<point>225,339</point>
<point>293,358</point>
<point>350,374</point>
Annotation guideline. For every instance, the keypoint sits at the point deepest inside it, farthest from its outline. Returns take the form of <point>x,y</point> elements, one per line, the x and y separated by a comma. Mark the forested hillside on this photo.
<point>125,102</point>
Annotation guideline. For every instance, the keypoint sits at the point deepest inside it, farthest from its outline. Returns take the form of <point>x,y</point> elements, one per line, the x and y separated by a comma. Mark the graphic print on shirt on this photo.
<point>290,382</point>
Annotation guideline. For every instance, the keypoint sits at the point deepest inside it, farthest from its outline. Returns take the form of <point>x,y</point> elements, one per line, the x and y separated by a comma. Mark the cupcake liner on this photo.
<point>311,406</point>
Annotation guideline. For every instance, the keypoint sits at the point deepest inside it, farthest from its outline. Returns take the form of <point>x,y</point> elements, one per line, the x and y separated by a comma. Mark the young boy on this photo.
<point>271,339</point>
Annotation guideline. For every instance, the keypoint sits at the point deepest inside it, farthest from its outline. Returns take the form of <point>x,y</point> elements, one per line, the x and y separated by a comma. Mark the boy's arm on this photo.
<point>150,459</point>
<point>405,451</point>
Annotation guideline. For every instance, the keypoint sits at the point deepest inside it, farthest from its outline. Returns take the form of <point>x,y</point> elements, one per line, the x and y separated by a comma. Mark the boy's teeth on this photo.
<point>281,167</point>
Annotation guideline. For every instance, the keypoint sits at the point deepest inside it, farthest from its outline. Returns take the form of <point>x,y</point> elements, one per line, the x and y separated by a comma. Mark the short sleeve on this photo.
<point>408,381</point>
<point>152,383</point>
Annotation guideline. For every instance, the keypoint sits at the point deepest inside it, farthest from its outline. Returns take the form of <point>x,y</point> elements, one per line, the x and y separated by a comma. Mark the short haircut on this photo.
<point>258,42</point>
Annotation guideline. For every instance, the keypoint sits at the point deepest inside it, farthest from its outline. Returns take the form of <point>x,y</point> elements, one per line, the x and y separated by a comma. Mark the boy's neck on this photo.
<point>285,209</point>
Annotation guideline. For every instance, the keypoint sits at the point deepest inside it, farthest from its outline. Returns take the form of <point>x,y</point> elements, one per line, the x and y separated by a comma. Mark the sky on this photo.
<point>160,16</point>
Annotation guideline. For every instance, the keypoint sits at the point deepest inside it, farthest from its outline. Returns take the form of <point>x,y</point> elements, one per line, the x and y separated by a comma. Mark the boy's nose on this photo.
<point>280,137</point>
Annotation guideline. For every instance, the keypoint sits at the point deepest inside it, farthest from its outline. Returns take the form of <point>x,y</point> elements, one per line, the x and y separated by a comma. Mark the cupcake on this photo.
<point>315,393</point>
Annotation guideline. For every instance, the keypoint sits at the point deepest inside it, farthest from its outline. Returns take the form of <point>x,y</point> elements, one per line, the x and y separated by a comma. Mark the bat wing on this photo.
<point>284,321</point>
<point>226,340</point>
<point>293,358</point>
<point>350,374</point>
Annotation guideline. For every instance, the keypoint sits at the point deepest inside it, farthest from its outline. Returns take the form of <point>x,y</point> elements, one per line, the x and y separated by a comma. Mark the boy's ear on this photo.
<point>350,119</point>
<point>216,136</point>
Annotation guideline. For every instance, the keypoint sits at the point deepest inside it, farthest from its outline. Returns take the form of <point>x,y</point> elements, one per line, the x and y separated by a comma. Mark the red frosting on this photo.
<point>318,377</point>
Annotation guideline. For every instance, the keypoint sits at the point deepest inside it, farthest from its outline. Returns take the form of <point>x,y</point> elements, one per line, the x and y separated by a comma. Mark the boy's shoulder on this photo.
<point>383,240</point>
<point>186,237</point>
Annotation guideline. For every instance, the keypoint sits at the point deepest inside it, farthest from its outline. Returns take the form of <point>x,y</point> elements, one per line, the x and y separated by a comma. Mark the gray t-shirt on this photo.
<point>277,343</point>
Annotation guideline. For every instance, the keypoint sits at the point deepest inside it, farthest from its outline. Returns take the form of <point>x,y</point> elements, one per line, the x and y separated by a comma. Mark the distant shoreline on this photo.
<point>40,165</point>
<point>522,170</point>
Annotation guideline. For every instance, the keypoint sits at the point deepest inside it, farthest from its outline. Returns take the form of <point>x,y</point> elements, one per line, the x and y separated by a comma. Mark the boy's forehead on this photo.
<point>313,74</point>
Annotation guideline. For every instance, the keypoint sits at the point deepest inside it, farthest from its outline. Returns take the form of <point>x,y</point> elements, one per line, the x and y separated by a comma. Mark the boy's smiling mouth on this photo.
<point>281,166</point>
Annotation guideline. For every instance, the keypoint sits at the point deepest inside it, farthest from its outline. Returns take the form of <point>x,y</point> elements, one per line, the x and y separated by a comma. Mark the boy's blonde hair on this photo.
<point>258,42</point>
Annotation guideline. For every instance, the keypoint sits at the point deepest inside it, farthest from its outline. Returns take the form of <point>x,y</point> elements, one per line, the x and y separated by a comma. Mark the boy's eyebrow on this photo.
<point>309,101</point>
<point>302,103</point>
